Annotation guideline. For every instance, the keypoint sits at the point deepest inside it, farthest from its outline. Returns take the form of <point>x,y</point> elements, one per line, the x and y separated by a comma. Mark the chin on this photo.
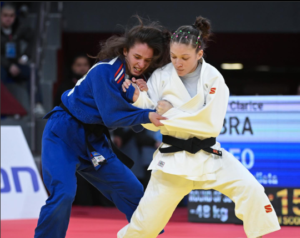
<point>137,74</point>
<point>180,73</point>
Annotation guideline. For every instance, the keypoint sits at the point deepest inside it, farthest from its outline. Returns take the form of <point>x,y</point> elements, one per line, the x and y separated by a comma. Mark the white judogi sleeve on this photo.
<point>208,121</point>
<point>146,101</point>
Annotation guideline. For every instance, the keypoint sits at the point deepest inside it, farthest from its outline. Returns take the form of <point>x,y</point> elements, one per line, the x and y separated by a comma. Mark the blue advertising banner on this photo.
<point>263,133</point>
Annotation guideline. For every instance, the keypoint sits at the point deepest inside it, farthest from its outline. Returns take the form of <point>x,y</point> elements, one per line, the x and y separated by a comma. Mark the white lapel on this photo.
<point>175,92</point>
<point>197,101</point>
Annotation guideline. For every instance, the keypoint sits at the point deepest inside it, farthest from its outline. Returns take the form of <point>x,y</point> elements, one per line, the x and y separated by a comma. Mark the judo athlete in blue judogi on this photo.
<point>75,138</point>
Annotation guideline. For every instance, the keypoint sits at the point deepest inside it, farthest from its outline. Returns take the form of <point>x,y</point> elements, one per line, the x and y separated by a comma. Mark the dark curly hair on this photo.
<point>153,34</point>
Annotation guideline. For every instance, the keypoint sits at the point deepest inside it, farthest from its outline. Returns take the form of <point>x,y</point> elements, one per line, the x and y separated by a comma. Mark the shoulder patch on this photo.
<point>212,91</point>
<point>119,75</point>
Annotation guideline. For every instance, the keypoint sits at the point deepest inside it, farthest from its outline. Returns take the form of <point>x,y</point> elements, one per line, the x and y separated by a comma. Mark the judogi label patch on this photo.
<point>97,158</point>
<point>161,163</point>
<point>100,159</point>
<point>95,162</point>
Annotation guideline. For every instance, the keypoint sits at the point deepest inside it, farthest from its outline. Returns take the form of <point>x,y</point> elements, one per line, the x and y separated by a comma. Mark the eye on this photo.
<point>185,59</point>
<point>173,57</point>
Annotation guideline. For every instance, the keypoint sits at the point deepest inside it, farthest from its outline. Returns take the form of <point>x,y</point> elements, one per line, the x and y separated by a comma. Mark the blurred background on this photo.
<point>44,45</point>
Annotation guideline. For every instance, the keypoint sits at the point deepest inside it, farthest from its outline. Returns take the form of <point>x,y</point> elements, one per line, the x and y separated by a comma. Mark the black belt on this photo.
<point>192,145</point>
<point>98,131</point>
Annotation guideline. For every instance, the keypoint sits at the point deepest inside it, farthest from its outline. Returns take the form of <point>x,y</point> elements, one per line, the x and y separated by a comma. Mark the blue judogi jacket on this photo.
<point>98,98</point>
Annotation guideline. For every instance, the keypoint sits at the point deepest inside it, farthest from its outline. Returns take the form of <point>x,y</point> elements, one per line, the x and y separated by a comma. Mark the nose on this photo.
<point>141,64</point>
<point>178,63</point>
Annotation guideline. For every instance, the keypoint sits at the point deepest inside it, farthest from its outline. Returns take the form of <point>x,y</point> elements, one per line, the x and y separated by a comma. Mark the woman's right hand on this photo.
<point>126,85</point>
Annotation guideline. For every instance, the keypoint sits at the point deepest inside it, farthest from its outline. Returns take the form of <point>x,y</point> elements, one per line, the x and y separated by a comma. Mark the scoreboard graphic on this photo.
<point>263,133</point>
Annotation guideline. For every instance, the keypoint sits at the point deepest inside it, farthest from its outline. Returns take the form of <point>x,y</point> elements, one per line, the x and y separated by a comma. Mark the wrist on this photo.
<point>136,94</point>
<point>130,93</point>
<point>150,112</point>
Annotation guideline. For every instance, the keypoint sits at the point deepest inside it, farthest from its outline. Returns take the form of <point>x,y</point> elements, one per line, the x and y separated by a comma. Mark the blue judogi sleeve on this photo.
<point>112,106</point>
<point>128,95</point>
<point>98,98</point>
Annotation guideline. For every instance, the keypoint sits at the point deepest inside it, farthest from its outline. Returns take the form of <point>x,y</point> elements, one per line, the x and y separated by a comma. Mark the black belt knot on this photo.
<point>192,145</point>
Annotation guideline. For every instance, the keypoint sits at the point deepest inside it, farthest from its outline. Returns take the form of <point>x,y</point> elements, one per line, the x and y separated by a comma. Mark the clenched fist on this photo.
<point>163,106</point>
<point>141,83</point>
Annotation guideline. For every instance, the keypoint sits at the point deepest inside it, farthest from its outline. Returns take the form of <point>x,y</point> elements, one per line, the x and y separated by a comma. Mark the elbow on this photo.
<point>109,122</point>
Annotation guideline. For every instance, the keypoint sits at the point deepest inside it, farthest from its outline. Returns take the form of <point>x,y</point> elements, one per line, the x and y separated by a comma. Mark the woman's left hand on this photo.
<point>163,106</point>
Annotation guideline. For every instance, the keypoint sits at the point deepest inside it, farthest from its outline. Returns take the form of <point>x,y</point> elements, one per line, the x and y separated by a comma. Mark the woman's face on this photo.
<point>184,58</point>
<point>81,66</point>
<point>138,58</point>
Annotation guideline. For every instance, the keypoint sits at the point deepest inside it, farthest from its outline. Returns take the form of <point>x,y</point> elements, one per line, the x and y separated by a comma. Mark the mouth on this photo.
<point>137,70</point>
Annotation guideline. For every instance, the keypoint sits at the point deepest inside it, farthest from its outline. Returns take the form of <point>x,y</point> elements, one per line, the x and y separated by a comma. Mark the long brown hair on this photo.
<point>153,34</point>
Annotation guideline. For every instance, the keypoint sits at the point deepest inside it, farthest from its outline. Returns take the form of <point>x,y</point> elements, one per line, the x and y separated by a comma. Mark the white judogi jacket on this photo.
<point>201,116</point>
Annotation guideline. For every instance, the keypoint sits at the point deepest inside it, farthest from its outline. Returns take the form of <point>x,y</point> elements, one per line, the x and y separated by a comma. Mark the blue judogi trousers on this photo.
<point>64,153</point>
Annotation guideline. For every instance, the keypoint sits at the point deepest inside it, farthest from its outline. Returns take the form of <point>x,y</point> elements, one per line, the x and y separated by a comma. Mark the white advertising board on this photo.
<point>22,190</point>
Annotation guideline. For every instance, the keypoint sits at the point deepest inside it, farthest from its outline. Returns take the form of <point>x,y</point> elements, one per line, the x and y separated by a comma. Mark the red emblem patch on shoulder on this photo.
<point>212,90</point>
<point>268,208</point>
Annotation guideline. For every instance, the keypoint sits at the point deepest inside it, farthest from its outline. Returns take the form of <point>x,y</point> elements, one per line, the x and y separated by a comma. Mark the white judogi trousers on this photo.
<point>165,191</point>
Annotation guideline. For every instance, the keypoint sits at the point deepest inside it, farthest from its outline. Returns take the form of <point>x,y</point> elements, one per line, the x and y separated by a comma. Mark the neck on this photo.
<point>194,67</point>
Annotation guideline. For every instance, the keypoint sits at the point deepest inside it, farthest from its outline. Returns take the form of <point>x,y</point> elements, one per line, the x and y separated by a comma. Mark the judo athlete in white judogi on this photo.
<point>193,95</point>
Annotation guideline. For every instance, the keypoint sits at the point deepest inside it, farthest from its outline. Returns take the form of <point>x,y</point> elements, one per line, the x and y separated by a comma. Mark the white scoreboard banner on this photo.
<point>22,190</point>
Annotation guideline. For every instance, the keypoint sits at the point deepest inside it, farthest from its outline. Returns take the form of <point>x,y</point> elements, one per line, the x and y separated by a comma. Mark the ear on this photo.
<point>199,54</point>
<point>125,52</point>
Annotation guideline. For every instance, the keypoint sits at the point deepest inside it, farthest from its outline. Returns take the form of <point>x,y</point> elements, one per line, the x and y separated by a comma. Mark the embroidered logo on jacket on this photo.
<point>268,208</point>
<point>161,163</point>
<point>119,74</point>
<point>212,90</point>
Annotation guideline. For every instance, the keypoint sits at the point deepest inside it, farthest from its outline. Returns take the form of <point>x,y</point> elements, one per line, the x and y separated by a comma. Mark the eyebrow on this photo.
<point>183,54</point>
<point>141,56</point>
